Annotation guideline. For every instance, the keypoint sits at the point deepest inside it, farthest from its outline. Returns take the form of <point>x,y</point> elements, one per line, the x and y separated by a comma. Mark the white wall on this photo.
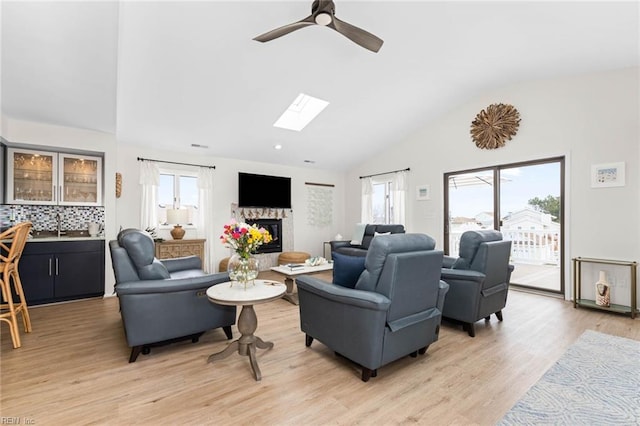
<point>590,119</point>
<point>306,237</point>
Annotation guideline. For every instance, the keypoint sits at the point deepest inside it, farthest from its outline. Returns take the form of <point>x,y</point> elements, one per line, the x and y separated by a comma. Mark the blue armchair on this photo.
<point>162,301</point>
<point>393,311</point>
<point>478,279</point>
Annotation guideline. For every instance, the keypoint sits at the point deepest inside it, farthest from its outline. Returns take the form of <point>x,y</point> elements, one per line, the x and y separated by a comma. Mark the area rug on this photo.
<point>596,382</point>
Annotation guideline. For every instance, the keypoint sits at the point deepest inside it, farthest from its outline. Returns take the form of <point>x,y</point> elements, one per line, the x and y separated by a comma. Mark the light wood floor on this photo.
<point>73,370</point>
<point>544,277</point>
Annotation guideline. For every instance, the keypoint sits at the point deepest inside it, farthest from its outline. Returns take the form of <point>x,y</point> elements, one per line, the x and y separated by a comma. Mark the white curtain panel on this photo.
<point>399,196</point>
<point>366,215</point>
<point>150,180</point>
<point>205,221</point>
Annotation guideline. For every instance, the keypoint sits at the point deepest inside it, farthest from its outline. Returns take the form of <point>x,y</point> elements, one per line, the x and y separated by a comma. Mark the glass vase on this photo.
<point>243,270</point>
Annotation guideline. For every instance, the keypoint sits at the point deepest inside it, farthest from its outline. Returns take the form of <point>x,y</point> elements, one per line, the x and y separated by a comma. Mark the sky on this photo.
<point>518,186</point>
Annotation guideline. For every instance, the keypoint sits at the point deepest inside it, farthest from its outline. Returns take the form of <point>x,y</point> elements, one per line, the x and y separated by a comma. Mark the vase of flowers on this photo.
<point>243,270</point>
<point>244,240</point>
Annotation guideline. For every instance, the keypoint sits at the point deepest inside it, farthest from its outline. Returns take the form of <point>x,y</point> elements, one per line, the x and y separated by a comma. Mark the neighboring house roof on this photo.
<point>462,219</point>
<point>528,218</point>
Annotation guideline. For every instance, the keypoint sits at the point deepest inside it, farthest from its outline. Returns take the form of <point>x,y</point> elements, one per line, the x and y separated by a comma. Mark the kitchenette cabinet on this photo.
<point>62,270</point>
<point>53,178</point>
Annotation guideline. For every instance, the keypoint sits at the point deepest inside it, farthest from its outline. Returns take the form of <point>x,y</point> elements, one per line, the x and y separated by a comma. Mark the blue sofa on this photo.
<point>370,230</point>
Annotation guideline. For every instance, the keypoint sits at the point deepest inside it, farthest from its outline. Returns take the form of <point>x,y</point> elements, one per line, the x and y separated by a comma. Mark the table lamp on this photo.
<point>177,216</point>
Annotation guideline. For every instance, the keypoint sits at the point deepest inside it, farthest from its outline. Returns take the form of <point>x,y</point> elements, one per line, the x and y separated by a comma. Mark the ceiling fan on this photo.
<point>323,13</point>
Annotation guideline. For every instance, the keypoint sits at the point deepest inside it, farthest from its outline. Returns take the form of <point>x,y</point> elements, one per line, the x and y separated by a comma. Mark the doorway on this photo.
<point>524,201</point>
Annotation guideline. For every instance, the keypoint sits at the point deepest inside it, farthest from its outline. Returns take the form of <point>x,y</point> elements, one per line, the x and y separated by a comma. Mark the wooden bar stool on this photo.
<point>12,243</point>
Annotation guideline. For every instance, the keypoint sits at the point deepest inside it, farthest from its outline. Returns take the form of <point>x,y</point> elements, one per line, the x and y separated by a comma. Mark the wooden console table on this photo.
<point>170,249</point>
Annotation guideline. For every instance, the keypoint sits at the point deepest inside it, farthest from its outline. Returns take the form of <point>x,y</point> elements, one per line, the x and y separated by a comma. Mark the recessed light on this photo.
<point>278,146</point>
<point>300,113</point>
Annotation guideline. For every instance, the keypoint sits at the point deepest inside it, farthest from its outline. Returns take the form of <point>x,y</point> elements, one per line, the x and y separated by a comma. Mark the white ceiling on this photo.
<point>169,74</point>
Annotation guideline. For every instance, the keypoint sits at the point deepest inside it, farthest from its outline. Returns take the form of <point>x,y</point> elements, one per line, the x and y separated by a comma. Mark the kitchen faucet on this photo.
<point>59,224</point>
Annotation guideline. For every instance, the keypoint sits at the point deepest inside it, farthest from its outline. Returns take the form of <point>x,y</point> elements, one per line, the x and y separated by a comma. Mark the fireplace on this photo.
<point>274,226</point>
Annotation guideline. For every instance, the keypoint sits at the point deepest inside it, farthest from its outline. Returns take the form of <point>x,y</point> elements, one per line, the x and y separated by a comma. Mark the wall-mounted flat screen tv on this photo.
<point>263,191</point>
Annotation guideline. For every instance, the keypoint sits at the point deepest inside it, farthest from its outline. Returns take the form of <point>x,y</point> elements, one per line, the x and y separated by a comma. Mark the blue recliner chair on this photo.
<point>393,311</point>
<point>162,301</point>
<point>478,279</point>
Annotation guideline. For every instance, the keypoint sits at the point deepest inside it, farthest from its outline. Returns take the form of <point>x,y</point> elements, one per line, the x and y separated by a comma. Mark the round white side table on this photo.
<point>233,293</point>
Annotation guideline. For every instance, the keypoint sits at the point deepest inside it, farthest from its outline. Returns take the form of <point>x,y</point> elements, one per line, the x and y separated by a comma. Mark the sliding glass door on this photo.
<point>471,203</point>
<point>525,202</point>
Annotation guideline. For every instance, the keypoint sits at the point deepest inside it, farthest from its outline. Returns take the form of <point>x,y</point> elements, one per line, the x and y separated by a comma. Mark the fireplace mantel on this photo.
<point>244,214</point>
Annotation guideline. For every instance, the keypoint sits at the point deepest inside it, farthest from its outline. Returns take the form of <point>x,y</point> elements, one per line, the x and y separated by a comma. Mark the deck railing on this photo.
<point>533,247</point>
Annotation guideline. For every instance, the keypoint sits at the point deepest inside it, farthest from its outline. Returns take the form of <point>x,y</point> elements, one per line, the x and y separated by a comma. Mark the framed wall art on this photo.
<point>607,175</point>
<point>423,192</point>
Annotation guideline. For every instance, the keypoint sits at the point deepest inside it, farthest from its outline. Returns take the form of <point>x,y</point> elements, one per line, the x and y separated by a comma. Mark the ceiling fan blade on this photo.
<point>279,32</point>
<point>357,35</point>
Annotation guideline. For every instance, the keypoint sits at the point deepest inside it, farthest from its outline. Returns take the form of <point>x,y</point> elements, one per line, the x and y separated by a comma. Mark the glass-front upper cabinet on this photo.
<point>31,176</point>
<point>80,180</point>
<point>41,177</point>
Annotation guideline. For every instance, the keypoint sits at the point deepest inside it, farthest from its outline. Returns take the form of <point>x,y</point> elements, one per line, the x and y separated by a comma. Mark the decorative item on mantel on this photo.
<point>603,290</point>
<point>244,240</point>
<point>177,217</point>
<point>495,125</point>
<point>257,213</point>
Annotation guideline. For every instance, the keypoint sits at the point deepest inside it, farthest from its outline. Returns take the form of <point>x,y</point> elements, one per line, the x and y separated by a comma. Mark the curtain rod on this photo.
<point>319,184</point>
<point>385,173</point>
<point>174,162</point>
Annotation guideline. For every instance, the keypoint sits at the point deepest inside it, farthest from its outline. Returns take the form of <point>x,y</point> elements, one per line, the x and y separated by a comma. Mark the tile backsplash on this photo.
<point>74,218</point>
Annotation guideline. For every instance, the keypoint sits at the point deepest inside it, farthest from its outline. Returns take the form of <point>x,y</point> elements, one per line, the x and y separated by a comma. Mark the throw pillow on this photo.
<point>358,234</point>
<point>346,269</point>
<point>155,271</point>
<point>376,233</point>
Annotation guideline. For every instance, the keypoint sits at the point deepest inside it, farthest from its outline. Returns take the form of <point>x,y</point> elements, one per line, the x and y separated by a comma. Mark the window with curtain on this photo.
<point>164,189</point>
<point>383,198</point>
<point>178,189</point>
<point>382,202</point>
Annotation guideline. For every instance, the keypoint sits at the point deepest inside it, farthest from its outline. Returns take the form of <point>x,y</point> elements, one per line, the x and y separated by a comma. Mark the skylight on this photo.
<point>300,113</point>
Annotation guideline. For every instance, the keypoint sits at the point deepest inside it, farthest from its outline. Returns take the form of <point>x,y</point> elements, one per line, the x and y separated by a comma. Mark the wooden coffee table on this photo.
<point>290,274</point>
<point>233,293</point>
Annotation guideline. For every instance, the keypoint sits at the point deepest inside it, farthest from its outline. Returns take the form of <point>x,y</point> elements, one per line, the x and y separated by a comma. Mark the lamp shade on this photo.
<point>177,216</point>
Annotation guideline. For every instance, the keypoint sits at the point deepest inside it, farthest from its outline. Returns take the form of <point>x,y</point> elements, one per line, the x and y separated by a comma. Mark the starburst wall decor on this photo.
<point>495,125</point>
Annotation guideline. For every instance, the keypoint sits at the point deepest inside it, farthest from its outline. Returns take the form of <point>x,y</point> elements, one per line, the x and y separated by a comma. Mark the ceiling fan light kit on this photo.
<point>323,14</point>
<point>323,19</point>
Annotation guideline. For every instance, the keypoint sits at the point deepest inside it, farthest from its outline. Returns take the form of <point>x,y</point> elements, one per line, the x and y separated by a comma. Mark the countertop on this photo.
<point>66,235</point>
<point>62,238</point>
<point>56,239</point>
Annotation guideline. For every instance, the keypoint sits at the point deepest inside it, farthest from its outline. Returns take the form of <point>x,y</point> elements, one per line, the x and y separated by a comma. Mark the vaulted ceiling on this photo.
<point>172,74</point>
